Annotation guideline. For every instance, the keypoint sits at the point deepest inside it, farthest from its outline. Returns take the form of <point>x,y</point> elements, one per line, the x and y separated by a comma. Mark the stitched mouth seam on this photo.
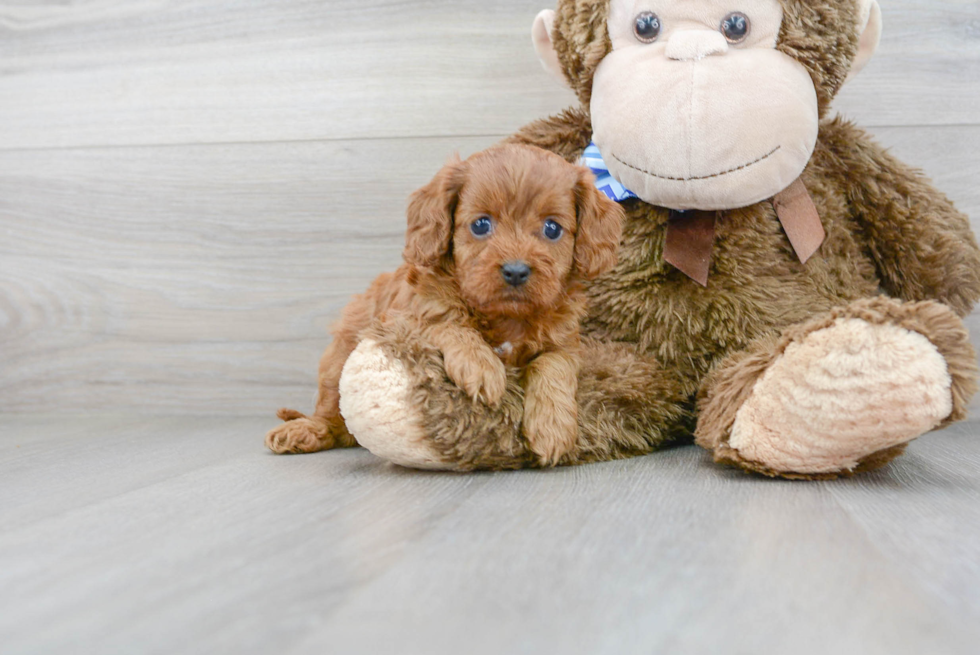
<point>702,177</point>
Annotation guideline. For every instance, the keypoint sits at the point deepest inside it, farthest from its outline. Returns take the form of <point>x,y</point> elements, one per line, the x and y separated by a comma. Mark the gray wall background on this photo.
<point>189,192</point>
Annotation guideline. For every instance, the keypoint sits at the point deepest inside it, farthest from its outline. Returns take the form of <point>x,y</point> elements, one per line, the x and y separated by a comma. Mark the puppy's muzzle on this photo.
<point>515,273</point>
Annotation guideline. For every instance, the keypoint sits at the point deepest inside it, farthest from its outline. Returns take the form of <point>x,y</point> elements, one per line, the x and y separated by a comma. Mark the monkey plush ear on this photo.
<point>543,45</point>
<point>869,24</point>
<point>600,228</point>
<point>430,216</point>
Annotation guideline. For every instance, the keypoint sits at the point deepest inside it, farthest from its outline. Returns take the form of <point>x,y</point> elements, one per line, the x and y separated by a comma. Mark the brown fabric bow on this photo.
<point>690,235</point>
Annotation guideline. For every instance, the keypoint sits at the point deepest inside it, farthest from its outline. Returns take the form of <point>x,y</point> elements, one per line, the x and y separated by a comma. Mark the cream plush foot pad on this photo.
<point>375,404</point>
<point>841,394</point>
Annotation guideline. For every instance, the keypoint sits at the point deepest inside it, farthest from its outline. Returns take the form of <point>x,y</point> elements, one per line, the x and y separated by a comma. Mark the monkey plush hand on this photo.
<point>786,291</point>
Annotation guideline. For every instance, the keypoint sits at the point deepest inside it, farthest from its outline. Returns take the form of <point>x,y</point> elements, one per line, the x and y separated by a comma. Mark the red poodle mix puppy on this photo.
<point>496,251</point>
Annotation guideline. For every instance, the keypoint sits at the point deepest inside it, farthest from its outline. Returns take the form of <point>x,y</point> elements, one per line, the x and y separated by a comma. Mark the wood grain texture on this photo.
<point>191,279</point>
<point>123,535</point>
<point>201,279</point>
<point>152,72</point>
<point>925,70</point>
<point>145,72</point>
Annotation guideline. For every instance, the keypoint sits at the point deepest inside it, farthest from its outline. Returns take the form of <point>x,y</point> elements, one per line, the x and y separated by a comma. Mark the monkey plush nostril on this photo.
<point>515,273</point>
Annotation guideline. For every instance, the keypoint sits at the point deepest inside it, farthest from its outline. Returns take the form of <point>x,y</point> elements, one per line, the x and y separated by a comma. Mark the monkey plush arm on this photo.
<point>923,247</point>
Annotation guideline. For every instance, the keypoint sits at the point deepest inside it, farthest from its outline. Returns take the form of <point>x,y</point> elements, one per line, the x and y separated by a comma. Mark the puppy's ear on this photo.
<point>600,227</point>
<point>430,216</point>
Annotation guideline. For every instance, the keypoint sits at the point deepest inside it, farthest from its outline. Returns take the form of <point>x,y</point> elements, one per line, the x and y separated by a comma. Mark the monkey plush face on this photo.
<point>696,104</point>
<point>695,108</point>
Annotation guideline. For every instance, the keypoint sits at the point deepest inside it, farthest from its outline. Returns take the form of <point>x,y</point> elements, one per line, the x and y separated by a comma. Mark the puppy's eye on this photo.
<point>481,227</point>
<point>736,27</point>
<point>646,27</point>
<point>552,230</point>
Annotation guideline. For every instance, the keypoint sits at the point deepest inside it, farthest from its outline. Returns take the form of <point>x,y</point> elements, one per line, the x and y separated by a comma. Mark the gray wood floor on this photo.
<point>176,535</point>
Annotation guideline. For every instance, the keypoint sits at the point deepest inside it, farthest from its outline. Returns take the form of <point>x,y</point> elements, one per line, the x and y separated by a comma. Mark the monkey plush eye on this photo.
<point>647,27</point>
<point>552,230</point>
<point>735,27</point>
<point>481,227</point>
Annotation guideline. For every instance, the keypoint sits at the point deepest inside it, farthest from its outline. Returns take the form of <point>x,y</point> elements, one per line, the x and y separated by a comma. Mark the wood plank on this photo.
<point>192,279</point>
<point>925,69</point>
<point>342,552</point>
<point>85,461</point>
<point>179,72</point>
<point>201,279</point>
<point>943,471</point>
<point>155,72</point>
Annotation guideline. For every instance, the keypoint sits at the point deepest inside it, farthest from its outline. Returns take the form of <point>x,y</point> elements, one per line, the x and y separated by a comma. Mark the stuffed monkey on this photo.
<point>786,291</point>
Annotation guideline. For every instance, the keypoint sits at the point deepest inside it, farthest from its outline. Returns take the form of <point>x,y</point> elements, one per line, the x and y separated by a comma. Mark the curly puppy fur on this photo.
<point>481,318</point>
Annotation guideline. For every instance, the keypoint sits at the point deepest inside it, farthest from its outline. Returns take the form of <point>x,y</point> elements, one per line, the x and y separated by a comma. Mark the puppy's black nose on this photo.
<point>515,273</point>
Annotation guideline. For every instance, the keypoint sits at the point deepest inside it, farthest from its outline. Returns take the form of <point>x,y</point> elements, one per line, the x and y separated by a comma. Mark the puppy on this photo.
<point>496,251</point>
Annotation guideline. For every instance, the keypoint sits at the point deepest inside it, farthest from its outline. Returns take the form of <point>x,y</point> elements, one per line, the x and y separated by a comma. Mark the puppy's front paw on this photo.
<point>479,373</point>
<point>551,431</point>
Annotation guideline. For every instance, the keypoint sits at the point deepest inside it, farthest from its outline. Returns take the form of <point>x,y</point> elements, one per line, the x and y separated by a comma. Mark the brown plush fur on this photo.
<point>872,207</point>
<point>457,299</point>
<point>655,340</point>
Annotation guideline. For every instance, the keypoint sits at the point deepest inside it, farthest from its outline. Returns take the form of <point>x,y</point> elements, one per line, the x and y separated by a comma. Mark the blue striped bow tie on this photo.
<point>604,180</point>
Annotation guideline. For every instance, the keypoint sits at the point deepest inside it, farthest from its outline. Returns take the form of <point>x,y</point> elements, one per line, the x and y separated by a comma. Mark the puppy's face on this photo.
<point>514,236</point>
<point>519,224</point>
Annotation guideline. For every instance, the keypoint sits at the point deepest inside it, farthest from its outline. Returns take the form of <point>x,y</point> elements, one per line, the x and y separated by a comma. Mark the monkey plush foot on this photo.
<point>302,434</point>
<point>842,394</point>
